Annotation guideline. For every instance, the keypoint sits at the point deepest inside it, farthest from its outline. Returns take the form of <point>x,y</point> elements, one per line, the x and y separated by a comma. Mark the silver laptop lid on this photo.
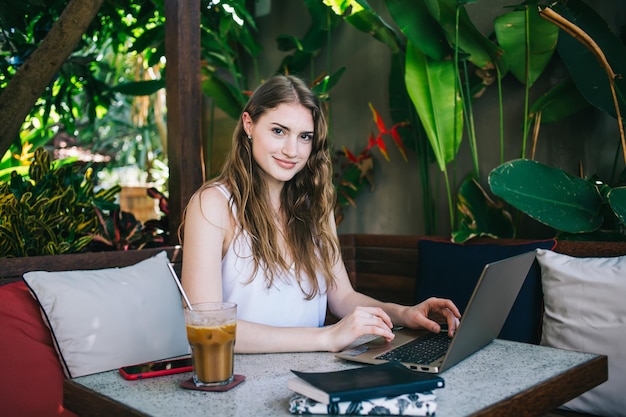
<point>489,306</point>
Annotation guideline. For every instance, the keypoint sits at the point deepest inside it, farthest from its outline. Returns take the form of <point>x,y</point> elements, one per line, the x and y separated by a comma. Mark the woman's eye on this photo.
<point>277,131</point>
<point>307,137</point>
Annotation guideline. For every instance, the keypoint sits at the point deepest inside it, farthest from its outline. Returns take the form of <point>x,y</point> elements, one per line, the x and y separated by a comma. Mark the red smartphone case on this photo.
<point>156,368</point>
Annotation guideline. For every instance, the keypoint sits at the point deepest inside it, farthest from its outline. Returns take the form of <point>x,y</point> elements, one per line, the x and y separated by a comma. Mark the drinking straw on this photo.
<point>180,287</point>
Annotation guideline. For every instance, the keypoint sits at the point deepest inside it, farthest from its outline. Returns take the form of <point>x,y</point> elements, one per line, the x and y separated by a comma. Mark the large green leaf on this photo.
<point>617,201</point>
<point>151,38</point>
<point>482,52</point>
<point>225,98</point>
<point>560,102</point>
<point>549,195</point>
<point>325,84</point>
<point>140,88</point>
<point>420,27</point>
<point>308,47</point>
<point>431,86</point>
<point>402,110</point>
<point>480,215</point>
<point>590,78</point>
<point>361,15</point>
<point>526,64</point>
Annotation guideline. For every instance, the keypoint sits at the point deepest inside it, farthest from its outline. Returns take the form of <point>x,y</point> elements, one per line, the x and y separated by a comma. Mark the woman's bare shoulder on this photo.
<point>211,202</point>
<point>210,194</point>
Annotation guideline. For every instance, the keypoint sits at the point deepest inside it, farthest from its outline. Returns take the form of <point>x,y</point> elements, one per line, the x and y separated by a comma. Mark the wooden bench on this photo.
<point>12,269</point>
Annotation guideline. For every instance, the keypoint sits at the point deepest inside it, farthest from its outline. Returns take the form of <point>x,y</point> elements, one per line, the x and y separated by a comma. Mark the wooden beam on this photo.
<point>184,106</point>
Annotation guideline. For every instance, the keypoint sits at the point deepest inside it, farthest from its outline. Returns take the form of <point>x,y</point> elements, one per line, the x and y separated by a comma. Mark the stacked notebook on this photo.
<point>388,388</point>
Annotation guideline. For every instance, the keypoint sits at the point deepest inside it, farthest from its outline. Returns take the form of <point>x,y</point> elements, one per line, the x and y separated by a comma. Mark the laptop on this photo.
<point>482,320</point>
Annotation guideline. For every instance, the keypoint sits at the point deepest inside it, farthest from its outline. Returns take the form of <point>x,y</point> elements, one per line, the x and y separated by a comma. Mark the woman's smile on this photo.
<point>285,164</point>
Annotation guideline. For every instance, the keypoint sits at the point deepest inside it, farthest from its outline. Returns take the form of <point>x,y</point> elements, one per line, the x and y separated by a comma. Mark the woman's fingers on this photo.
<point>361,322</point>
<point>373,320</point>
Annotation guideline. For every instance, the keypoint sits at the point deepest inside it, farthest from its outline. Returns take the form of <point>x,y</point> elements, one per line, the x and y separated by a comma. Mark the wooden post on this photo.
<point>184,106</point>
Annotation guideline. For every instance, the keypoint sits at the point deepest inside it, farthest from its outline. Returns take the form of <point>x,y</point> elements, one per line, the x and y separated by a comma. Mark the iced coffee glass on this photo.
<point>211,329</point>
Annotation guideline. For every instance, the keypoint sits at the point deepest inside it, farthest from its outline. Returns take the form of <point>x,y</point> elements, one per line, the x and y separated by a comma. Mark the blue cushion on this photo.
<point>451,270</point>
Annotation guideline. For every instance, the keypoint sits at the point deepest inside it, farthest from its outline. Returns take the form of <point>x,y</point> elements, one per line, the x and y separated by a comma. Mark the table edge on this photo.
<point>553,392</point>
<point>80,400</point>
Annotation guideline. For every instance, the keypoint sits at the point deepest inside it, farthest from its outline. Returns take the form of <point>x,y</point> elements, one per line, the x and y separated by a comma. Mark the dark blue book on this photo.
<point>372,381</point>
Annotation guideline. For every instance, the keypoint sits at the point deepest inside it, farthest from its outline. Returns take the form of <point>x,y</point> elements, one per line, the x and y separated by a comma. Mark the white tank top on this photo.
<point>283,304</point>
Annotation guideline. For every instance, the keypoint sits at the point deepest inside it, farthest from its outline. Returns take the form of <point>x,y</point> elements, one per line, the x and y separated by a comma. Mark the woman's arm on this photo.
<point>429,314</point>
<point>208,229</point>
<point>260,338</point>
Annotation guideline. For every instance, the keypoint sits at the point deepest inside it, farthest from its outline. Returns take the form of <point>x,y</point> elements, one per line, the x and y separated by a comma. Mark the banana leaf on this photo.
<point>224,95</point>
<point>420,27</point>
<point>323,86</point>
<point>511,33</point>
<point>590,78</point>
<point>548,195</point>
<point>482,52</point>
<point>360,14</point>
<point>431,86</point>
<point>150,38</point>
<point>315,38</point>
<point>140,88</point>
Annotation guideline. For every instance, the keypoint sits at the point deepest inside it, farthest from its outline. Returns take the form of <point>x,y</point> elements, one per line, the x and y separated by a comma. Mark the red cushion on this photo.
<point>32,379</point>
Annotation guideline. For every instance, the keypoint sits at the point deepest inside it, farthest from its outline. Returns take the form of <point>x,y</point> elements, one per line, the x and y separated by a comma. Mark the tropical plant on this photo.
<point>54,209</point>
<point>120,230</point>
<point>575,206</point>
<point>108,93</point>
<point>87,99</point>
<point>447,63</point>
<point>117,231</point>
<point>50,211</point>
<point>430,96</point>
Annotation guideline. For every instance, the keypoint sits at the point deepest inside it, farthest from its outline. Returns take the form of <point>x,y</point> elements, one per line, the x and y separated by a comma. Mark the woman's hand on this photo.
<point>431,313</point>
<point>362,321</point>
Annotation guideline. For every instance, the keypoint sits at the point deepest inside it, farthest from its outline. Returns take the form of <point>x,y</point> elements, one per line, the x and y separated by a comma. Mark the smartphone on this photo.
<point>157,368</point>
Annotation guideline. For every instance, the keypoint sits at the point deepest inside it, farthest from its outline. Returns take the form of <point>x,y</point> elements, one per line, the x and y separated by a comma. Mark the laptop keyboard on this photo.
<point>421,351</point>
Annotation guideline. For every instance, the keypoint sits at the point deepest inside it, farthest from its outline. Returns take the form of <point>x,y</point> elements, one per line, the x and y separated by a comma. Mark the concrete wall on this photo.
<point>395,206</point>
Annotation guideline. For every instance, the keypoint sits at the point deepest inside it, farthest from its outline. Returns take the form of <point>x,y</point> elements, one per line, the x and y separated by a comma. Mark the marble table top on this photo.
<point>499,371</point>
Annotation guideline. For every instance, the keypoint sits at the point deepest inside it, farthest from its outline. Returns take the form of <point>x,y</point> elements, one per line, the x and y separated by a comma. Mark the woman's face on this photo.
<point>282,139</point>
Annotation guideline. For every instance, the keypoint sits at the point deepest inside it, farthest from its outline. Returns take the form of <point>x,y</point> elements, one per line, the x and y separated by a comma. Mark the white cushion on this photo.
<point>104,319</point>
<point>585,310</point>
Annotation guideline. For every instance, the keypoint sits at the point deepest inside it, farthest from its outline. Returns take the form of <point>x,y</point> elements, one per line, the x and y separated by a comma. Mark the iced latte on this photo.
<point>211,329</point>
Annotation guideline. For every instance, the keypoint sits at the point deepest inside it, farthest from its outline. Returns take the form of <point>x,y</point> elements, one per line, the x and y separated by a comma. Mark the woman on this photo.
<point>262,235</point>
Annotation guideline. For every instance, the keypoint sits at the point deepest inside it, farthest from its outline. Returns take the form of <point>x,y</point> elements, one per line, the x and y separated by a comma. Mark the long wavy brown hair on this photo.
<point>307,199</point>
